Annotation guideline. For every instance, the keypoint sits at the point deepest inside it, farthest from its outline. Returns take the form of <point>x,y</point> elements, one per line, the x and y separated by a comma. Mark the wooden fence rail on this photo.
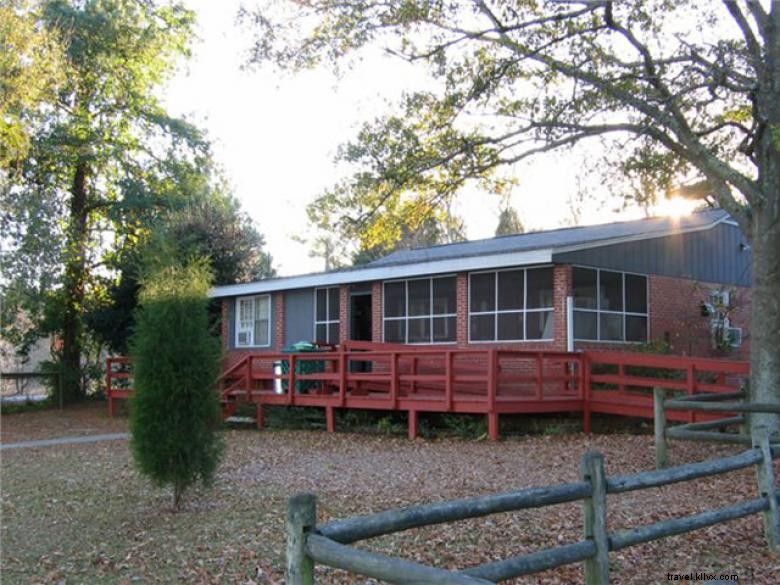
<point>710,430</point>
<point>329,544</point>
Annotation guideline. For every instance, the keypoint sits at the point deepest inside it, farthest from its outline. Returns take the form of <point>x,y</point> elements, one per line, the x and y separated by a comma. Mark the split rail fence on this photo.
<point>310,544</point>
<point>729,413</point>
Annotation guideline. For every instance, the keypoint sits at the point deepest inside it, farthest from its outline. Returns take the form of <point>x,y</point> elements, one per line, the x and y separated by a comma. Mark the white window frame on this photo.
<point>242,329</point>
<point>431,316</point>
<point>598,310</point>
<point>327,322</point>
<point>524,311</point>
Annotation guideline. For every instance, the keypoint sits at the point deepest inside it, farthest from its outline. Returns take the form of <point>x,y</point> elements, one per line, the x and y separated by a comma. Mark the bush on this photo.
<point>175,412</point>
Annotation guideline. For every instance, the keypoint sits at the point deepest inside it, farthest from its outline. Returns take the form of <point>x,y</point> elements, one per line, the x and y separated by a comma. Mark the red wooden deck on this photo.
<point>487,380</point>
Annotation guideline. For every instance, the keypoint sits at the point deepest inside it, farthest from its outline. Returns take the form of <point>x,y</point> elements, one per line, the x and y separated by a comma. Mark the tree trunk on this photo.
<point>178,492</point>
<point>765,320</point>
<point>74,287</point>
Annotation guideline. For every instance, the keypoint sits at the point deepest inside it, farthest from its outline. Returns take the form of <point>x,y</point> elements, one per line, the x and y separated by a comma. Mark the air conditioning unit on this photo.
<point>734,335</point>
<point>244,338</point>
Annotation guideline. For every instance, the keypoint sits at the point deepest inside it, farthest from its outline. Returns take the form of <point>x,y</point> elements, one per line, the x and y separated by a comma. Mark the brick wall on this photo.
<point>344,312</point>
<point>278,332</point>
<point>376,312</point>
<point>225,323</point>
<point>674,316</point>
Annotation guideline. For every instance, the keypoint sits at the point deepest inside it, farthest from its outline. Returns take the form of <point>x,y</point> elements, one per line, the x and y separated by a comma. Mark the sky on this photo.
<point>276,138</point>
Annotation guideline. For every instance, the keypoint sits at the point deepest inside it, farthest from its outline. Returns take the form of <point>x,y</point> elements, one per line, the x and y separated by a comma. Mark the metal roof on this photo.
<point>560,238</point>
<point>500,252</point>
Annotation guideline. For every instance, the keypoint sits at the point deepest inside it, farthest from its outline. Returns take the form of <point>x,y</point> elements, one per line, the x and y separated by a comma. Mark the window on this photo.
<point>326,315</point>
<point>422,310</point>
<point>253,321</point>
<point>511,305</point>
<point>609,305</point>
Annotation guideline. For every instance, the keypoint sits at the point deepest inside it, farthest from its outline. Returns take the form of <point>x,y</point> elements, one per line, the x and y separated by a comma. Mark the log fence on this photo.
<point>310,544</point>
<point>714,430</point>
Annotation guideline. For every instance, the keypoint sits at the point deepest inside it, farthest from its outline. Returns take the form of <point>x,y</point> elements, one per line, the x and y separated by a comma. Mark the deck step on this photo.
<point>240,420</point>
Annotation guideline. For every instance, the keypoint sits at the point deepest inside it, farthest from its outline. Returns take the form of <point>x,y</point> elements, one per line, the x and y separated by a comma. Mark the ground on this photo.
<point>82,514</point>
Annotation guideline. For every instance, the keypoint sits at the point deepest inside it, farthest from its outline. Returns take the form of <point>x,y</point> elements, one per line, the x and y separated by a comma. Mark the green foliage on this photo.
<point>207,222</point>
<point>512,80</point>
<point>31,70</point>
<point>102,164</point>
<point>390,425</point>
<point>175,410</point>
<point>509,222</point>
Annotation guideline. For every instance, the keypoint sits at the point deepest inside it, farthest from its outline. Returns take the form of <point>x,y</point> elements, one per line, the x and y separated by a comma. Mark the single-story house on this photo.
<point>685,281</point>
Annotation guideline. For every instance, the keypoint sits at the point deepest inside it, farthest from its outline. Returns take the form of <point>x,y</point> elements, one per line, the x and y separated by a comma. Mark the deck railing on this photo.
<point>329,544</point>
<point>480,380</point>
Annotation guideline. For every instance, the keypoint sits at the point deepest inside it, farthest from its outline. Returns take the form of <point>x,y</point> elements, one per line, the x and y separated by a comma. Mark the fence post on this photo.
<point>301,519</point>
<point>595,512</point>
<point>766,487</point>
<point>659,416</point>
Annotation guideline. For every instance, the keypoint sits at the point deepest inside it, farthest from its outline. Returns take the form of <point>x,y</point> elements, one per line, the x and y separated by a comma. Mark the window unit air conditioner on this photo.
<point>244,337</point>
<point>734,335</point>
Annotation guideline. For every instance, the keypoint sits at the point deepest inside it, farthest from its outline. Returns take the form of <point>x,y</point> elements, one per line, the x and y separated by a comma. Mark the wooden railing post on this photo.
<point>301,519</point>
<point>448,381</point>
<point>343,372</point>
<point>595,519</point>
<point>109,364</point>
<point>248,377</point>
<point>766,487</point>
<point>585,392</point>
<point>659,419</point>
<point>291,380</point>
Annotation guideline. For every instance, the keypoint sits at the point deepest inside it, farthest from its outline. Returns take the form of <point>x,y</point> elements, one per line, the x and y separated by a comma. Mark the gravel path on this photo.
<point>65,441</point>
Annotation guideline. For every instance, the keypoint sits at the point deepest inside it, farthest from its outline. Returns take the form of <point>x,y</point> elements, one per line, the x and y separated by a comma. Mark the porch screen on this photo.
<point>511,305</point>
<point>422,310</point>
<point>326,315</point>
<point>253,321</point>
<point>609,305</point>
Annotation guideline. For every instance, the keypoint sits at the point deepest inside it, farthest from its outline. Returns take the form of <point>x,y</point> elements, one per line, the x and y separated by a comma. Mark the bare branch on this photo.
<point>750,39</point>
<point>760,16</point>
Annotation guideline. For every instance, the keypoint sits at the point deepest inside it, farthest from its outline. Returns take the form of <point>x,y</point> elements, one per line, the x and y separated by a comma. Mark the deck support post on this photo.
<point>260,416</point>
<point>766,486</point>
<point>413,424</point>
<point>301,520</point>
<point>659,424</point>
<point>330,419</point>
<point>595,512</point>
<point>494,431</point>
<point>585,392</point>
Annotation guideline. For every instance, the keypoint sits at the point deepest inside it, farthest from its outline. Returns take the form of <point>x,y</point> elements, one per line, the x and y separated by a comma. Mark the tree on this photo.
<point>679,91</point>
<point>175,410</point>
<point>207,223</point>
<point>426,230</point>
<point>103,157</point>
<point>508,220</point>
<point>31,70</point>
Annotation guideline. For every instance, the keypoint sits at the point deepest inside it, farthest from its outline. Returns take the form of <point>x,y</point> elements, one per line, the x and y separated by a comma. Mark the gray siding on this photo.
<point>298,315</point>
<point>715,255</point>
<point>232,325</point>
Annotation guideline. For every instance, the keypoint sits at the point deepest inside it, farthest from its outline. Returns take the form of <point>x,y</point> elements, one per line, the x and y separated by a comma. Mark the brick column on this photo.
<point>225,325</point>
<point>376,312</point>
<point>344,312</point>
<point>462,296</point>
<point>279,341</point>
<point>562,288</point>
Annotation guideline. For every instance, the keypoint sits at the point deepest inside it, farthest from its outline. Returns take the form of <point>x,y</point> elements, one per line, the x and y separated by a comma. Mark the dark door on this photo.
<point>360,316</point>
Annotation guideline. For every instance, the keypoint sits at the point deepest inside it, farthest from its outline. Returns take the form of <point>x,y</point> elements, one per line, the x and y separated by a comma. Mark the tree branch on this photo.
<point>754,48</point>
